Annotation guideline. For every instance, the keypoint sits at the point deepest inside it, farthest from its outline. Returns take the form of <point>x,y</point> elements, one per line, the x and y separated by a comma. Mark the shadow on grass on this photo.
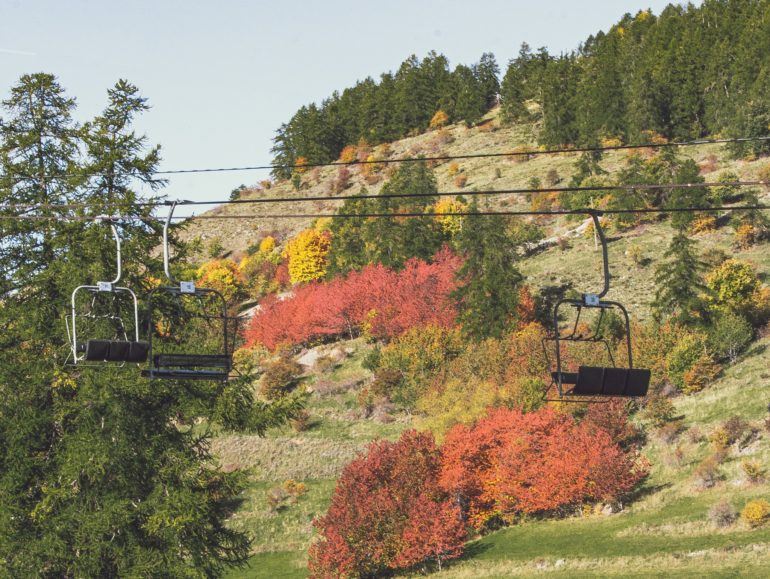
<point>645,490</point>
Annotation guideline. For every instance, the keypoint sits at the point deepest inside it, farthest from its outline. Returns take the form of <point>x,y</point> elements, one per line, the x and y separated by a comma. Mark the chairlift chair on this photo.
<point>187,329</point>
<point>97,327</point>
<point>593,383</point>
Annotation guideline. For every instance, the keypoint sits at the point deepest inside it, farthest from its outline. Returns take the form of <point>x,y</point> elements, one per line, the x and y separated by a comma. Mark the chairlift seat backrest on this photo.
<point>115,351</point>
<point>598,381</point>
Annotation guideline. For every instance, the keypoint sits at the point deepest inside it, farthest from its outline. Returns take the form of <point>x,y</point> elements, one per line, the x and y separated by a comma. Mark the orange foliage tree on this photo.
<point>512,463</point>
<point>388,513</point>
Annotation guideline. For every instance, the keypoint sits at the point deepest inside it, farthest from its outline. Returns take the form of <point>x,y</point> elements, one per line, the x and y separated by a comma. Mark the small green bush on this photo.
<point>729,335</point>
<point>658,410</point>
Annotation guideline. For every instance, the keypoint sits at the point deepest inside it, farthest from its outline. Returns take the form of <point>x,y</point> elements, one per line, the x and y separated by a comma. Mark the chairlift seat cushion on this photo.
<point>598,381</point>
<point>137,352</point>
<point>97,350</point>
<point>118,351</point>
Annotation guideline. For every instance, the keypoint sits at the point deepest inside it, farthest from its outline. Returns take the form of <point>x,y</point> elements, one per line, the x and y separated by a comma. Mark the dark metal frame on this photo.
<point>588,301</point>
<point>174,368</point>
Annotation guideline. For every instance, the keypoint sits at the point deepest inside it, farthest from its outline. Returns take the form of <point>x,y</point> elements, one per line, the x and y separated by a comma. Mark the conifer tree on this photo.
<point>679,282</point>
<point>96,477</point>
<point>489,290</point>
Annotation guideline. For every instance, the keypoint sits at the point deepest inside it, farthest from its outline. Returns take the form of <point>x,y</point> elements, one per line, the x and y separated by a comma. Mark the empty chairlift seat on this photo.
<point>114,351</point>
<point>190,367</point>
<point>599,381</point>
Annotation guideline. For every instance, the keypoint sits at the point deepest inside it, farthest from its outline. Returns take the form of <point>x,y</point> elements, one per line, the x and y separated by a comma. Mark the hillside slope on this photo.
<point>666,528</point>
<point>482,174</point>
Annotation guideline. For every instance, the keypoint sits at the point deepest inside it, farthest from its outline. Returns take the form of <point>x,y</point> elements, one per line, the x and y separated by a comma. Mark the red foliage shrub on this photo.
<point>387,512</point>
<point>389,302</point>
<point>511,463</point>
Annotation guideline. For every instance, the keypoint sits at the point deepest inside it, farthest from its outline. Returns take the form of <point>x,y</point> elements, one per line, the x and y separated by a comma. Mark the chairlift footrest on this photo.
<point>180,374</point>
<point>168,361</point>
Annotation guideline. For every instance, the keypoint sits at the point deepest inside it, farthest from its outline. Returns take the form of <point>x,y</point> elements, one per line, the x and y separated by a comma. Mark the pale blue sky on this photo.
<point>221,76</point>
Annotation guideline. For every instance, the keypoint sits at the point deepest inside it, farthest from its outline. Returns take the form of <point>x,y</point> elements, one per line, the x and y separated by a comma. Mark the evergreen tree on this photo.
<point>469,99</point>
<point>96,478</point>
<point>489,290</point>
<point>679,282</point>
<point>393,241</point>
<point>487,73</point>
<point>349,250</point>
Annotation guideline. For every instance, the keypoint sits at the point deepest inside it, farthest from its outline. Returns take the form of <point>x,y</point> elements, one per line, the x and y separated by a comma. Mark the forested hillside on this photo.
<point>684,74</point>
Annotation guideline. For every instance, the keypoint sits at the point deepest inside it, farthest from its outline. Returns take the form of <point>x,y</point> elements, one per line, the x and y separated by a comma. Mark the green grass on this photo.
<point>275,565</point>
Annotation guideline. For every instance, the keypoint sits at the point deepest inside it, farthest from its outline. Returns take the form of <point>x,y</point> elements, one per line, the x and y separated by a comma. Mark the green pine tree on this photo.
<point>97,478</point>
<point>679,282</point>
<point>489,279</point>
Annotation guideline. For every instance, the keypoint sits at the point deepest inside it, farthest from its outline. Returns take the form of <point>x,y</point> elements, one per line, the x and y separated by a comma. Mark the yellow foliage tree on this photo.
<point>267,245</point>
<point>222,275</point>
<point>439,120</point>
<point>307,254</point>
<point>348,154</point>
<point>451,224</point>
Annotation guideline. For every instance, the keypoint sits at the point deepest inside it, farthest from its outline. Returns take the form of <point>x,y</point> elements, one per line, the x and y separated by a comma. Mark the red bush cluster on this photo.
<point>510,463</point>
<point>389,302</point>
<point>388,512</point>
<point>392,509</point>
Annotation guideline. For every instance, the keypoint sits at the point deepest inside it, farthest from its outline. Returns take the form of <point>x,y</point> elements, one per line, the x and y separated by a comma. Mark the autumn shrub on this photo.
<point>613,418</point>
<point>307,254</point>
<point>658,410</point>
<point>735,286</point>
<point>325,364</point>
<point>439,120</point>
<point>300,422</point>
<point>223,276</point>
<point>707,473</point>
<point>703,224</point>
<point>279,377</point>
<point>764,174</point>
<point>386,383</point>
<point>388,513</point>
<point>450,224</point>
<point>756,513</point>
<point>732,431</point>
<point>669,432</point>
<point>417,355</point>
<point>702,373</point>
<point>722,514</point>
<point>460,180</point>
<point>512,463</point>
<point>754,471</point>
<point>419,294</point>
<point>348,154</point>
<point>746,235</point>
<point>684,355</point>
<point>453,168</point>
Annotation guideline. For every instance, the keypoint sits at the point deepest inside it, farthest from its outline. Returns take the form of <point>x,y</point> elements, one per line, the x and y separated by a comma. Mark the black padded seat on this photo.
<point>96,350</point>
<point>137,352</point>
<point>118,351</point>
<point>597,381</point>
<point>115,351</point>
